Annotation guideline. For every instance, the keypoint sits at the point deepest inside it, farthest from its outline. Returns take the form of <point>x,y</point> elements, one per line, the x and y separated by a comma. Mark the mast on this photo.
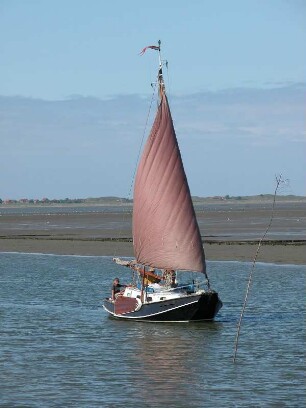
<point>160,79</point>
<point>161,83</point>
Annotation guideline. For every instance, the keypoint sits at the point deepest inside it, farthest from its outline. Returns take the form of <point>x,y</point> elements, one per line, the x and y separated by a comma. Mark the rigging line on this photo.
<point>279,180</point>
<point>168,82</point>
<point>125,213</point>
<point>141,143</point>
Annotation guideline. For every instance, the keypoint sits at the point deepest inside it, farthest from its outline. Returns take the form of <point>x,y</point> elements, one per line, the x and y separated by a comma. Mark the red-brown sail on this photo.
<point>165,230</point>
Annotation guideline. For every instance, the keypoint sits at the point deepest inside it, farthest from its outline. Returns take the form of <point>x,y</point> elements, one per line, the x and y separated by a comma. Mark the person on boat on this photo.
<point>173,279</point>
<point>169,276</point>
<point>116,288</point>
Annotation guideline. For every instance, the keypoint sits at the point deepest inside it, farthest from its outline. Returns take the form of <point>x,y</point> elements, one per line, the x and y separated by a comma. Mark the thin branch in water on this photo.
<point>279,180</point>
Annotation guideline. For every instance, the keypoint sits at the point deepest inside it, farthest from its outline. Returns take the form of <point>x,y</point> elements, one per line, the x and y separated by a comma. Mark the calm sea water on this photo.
<point>58,348</point>
<point>63,210</point>
<point>79,209</point>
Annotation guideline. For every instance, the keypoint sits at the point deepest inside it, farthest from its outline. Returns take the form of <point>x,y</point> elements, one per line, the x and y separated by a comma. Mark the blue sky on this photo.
<point>75,93</point>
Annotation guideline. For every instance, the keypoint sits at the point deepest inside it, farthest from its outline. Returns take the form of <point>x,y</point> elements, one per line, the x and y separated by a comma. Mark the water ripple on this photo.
<point>58,347</point>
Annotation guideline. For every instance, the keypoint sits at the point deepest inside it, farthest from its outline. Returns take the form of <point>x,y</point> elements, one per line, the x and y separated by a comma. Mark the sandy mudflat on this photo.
<point>229,232</point>
<point>277,253</point>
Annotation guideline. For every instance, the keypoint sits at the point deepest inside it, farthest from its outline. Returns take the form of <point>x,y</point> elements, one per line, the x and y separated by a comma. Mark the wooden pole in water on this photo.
<point>279,179</point>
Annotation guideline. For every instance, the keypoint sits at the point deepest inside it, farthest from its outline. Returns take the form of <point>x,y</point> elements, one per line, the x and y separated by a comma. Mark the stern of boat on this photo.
<point>209,305</point>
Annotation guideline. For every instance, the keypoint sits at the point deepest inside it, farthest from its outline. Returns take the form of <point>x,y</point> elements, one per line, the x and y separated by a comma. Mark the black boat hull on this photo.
<point>195,307</point>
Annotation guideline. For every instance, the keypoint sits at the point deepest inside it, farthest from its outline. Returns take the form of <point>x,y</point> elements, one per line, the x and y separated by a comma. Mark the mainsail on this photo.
<point>165,230</point>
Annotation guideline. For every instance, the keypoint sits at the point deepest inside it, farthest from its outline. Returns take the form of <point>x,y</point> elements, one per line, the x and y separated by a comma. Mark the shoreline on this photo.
<point>276,252</point>
<point>230,231</point>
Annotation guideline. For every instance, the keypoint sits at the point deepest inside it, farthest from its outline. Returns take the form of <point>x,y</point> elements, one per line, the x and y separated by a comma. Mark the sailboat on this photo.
<point>169,278</point>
